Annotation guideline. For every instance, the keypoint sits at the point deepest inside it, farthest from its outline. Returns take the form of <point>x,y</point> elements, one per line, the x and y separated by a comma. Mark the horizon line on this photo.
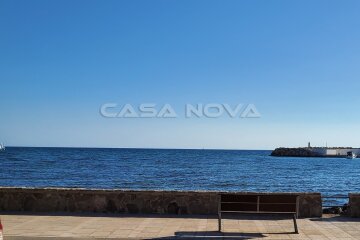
<point>149,148</point>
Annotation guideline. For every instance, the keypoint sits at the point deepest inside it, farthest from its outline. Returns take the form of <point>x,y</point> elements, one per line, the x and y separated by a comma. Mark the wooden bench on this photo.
<point>252,203</point>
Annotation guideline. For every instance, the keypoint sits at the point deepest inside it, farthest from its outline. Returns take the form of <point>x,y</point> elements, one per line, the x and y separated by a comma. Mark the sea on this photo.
<point>177,169</point>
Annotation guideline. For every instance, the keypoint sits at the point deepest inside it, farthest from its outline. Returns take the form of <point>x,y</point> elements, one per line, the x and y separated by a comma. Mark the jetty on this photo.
<point>310,151</point>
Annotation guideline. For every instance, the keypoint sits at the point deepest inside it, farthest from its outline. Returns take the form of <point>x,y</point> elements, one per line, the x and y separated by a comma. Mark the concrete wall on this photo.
<point>335,152</point>
<point>319,151</point>
<point>354,204</point>
<point>344,151</point>
<point>127,201</point>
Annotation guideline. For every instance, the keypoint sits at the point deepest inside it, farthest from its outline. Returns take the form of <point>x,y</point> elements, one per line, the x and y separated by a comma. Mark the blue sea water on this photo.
<point>237,170</point>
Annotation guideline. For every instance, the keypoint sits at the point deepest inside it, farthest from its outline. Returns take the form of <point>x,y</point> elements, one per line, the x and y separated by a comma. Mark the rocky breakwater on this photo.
<point>294,152</point>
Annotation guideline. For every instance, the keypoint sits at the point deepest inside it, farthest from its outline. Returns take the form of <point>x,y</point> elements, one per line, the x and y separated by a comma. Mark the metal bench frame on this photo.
<point>293,214</point>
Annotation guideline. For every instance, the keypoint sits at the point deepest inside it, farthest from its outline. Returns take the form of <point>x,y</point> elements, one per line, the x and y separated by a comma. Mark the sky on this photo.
<point>297,62</point>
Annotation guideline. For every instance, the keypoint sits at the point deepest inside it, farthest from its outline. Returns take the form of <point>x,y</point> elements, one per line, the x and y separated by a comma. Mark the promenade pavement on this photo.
<point>52,226</point>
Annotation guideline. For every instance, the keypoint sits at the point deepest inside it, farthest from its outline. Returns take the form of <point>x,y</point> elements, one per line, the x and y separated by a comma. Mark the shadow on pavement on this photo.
<point>212,235</point>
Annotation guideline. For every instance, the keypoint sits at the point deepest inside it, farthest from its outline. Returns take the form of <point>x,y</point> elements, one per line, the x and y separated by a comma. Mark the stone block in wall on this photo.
<point>354,204</point>
<point>190,202</point>
<point>310,205</point>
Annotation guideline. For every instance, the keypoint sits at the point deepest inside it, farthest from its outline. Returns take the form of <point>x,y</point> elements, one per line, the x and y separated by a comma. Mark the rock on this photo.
<point>338,210</point>
<point>333,210</point>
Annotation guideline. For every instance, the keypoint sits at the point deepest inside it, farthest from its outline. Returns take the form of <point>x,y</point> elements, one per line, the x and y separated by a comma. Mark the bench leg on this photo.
<point>295,224</point>
<point>219,221</point>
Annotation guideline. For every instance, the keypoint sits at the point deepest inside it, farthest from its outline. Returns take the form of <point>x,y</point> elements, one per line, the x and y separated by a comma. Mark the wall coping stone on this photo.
<point>100,190</point>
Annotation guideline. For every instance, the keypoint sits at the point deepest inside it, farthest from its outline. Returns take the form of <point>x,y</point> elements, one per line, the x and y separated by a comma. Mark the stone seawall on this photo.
<point>127,201</point>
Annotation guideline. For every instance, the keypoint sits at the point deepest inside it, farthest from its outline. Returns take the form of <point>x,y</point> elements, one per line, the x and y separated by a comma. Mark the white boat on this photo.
<point>2,147</point>
<point>351,155</point>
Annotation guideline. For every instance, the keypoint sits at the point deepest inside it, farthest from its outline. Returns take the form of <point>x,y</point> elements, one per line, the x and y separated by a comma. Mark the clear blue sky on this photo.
<point>297,61</point>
